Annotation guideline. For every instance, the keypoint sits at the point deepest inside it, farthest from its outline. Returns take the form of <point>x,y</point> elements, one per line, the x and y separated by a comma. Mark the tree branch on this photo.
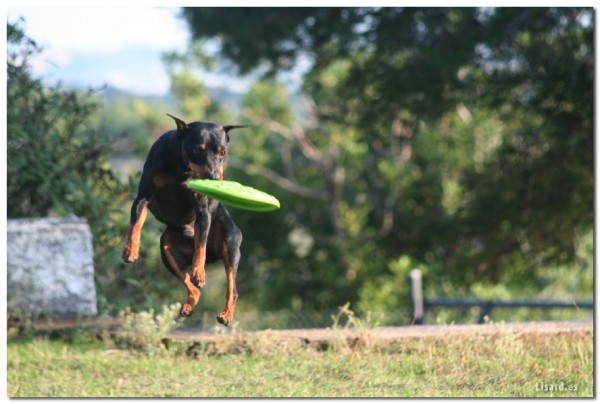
<point>295,135</point>
<point>278,180</point>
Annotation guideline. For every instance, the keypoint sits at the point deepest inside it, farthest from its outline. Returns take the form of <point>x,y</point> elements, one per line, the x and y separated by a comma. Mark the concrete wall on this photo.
<point>51,267</point>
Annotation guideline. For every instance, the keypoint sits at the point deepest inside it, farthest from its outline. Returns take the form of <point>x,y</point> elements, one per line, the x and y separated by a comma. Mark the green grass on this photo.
<point>265,366</point>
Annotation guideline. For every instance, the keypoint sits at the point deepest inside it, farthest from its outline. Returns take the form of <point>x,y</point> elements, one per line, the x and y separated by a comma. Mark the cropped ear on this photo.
<point>227,128</point>
<point>181,126</point>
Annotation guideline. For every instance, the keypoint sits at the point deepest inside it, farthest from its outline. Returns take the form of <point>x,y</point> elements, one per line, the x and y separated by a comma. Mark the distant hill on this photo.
<point>110,94</point>
<point>231,101</point>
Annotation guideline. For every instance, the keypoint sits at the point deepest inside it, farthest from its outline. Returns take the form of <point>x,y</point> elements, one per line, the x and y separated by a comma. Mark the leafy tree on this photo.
<point>538,78</point>
<point>57,163</point>
<point>293,271</point>
<point>462,137</point>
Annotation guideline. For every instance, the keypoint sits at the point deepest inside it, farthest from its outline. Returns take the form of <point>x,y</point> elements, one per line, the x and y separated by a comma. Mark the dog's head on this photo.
<point>204,147</point>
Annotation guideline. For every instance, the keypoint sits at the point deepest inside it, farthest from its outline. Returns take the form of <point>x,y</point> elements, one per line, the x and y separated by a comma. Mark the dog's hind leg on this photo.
<point>177,252</point>
<point>201,230</point>
<point>230,245</point>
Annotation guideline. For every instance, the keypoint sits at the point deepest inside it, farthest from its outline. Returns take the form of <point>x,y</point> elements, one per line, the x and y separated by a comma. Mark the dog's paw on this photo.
<point>186,310</point>
<point>198,281</point>
<point>225,318</point>
<point>128,255</point>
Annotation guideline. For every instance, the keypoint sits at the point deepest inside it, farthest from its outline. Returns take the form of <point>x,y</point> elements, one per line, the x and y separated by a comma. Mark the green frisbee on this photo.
<point>235,194</point>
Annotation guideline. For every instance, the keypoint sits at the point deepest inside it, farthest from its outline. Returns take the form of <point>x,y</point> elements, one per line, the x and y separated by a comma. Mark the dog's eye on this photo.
<point>200,150</point>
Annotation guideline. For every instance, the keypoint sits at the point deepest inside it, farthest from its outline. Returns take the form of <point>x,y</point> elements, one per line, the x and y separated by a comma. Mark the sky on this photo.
<point>118,46</point>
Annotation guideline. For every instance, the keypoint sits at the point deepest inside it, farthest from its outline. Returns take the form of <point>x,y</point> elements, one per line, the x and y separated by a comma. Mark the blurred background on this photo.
<point>458,141</point>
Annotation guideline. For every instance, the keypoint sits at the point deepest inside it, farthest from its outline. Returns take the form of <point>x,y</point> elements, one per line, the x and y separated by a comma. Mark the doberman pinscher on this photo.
<point>199,229</point>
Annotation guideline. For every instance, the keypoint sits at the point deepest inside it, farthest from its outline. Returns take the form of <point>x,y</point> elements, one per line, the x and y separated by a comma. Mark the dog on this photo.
<point>199,229</point>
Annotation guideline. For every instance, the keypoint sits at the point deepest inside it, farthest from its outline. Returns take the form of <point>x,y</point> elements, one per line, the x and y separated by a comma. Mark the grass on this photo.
<point>265,366</point>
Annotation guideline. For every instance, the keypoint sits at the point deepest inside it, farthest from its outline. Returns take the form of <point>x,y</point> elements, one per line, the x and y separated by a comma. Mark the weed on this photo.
<point>146,330</point>
<point>365,335</point>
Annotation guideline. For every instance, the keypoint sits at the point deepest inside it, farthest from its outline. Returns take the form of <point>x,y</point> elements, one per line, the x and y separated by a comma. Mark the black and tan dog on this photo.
<point>199,229</point>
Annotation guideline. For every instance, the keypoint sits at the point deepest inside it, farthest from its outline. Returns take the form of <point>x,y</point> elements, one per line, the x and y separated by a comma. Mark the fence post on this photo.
<point>486,308</point>
<point>416,296</point>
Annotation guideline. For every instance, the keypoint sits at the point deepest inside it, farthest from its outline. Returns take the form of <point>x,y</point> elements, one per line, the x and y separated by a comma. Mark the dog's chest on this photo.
<point>173,204</point>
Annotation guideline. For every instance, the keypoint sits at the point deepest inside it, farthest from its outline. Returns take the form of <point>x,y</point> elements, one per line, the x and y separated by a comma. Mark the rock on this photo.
<point>51,267</point>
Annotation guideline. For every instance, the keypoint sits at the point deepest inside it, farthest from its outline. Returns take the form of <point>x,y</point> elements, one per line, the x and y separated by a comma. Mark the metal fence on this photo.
<point>420,305</point>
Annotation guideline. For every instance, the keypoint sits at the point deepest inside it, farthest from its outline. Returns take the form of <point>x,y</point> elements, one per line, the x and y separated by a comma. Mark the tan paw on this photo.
<point>225,318</point>
<point>186,310</point>
<point>130,254</point>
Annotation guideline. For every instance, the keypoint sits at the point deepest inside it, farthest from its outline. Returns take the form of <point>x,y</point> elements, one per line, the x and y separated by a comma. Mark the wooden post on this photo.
<point>416,296</point>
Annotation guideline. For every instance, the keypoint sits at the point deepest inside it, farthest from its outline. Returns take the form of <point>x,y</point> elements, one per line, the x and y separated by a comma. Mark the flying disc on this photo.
<point>235,194</point>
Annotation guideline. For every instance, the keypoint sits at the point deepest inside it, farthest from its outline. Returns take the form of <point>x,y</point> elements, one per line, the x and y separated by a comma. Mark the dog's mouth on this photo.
<point>199,172</point>
<point>204,172</point>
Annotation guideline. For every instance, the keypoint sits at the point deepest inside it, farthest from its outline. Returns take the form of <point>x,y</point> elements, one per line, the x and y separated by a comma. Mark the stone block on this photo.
<point>51,267</point>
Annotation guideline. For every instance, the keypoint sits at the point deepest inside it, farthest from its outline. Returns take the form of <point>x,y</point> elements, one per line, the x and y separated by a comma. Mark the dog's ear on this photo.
<point>181,126</point>
<point>227,128</point>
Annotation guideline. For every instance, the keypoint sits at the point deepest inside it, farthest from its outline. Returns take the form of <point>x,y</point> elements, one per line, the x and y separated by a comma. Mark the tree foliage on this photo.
<point>52,155</point>
<point>461,138</point>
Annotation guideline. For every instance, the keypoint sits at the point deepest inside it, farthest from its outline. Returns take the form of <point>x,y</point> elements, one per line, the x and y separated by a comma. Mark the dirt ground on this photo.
<point>405,332</point>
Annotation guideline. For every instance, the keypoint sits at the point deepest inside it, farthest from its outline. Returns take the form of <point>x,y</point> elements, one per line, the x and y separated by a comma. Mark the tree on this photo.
<point>57,164</point>
<point>464,135</point>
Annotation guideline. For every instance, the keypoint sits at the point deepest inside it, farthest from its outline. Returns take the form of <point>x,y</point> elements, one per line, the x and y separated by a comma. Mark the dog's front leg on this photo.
<point>131,251</point>
<point>201,228</point>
